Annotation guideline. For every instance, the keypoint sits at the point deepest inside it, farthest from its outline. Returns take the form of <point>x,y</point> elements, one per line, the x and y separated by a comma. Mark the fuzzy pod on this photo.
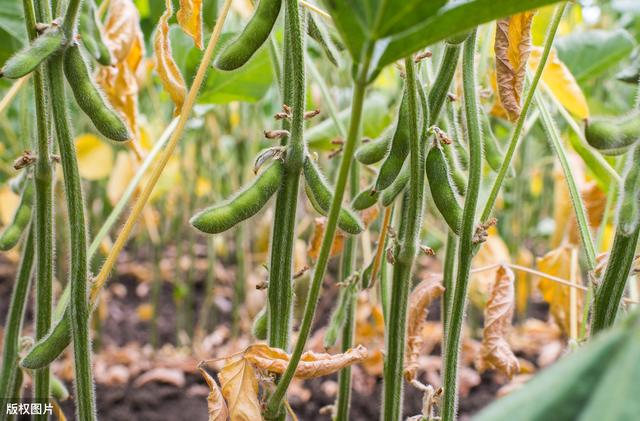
<point>320,195</point>
<point>442,188</point>
<point>26,60</point>
<point>21,217</point>
<point>245,204</point>
<point>365,199</point>
<point>457,39</point>
<point>629,210</point>
<point>260,326</point>
<point>255,33</point>
<point>457,175</point>
<point>339,315</point>
<point>613,135</point>
<point>91,34</point>
<point>399,184</point>
<point>400,145</point>
<point>375,151</point>
<point>57,389</point>
<point>90,99</point>
<point>492,152</point>
<point>47,349</point>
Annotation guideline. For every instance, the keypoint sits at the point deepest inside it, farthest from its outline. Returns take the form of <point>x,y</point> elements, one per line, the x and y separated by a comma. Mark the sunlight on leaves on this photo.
<point>95,157</point>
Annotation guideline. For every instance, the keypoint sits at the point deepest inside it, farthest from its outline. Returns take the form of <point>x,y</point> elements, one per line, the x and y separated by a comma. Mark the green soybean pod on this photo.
<point>254,34</point>
<point>26,60</point>
<point>21,217</point>
<point>91,34</point>
<point>457,39</point>
<point>399,147</point>
<point>365,199</point>
<point>249,201</point>
<point>442,190</point>
<point>492,152</point>
<point>260,325</point>
<point>47,349</point>
<point>320,195</point>
<point>390,193</point>
<point>339,315</point>
<point>457,175</point>
<point>613,135</point>
<point>90,99</point>
<point>57,389</point>
<point>375,151</point>
<point>629,210</point>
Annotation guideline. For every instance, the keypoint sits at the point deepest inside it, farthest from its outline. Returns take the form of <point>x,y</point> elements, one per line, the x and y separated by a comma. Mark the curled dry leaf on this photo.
<point>190,19</point>
<point>166,66</point>
<point>316,240</point>
<point>174,376</point>
<point>240,389</point>
<point>512,47</point>
<point>312,364</point>
<point>216,405</point>
<point>495,352</point>
<point>421,297</point>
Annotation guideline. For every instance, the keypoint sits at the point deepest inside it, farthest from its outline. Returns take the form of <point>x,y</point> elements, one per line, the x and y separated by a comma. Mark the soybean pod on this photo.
<point>90,99</point>
<point>47,349</point>
<point>442,189</point>
<point>26,60</point>
<point>21,217</point>
<point>390,193</point>
<point>260,326</point>
<point>399,147</point>
<point>613,135</point>
<point>320,195</point>
<point>254,34</point>
<point>375,150</point>
<point>91,34</point>
<point>249,201</point>
<point>492,152</point>
<point>457,176</point>
<point>365,199</point>
<point>339,315</point>
<point>629,210</point>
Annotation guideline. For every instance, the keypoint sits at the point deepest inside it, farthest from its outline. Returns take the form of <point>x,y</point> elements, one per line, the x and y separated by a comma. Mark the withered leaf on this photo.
<point>312,364</point>
<point>190,19</point>
<point>240,389</point>
<point>512,48</point>
<point>316,240</point>
<point>495,352</point>
<point>166,66</point>
<point>421,297</point>
<point>216,405</point>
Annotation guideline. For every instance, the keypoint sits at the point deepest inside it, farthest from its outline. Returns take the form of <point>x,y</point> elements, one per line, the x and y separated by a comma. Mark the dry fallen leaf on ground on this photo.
<point>172,376</point>
<point>495,352</point>
<point>240,389</point>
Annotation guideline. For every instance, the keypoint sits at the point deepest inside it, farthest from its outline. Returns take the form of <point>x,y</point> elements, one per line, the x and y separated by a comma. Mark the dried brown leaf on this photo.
<point>166,66</point>
<point>172,376</point>
<point>240,389</point>
<point>316,240</point>
<point>495,352</point>
<point>421,297</point>
<point>190,19</point>
<point>312,364</point>
<point>217,407</point>
<point>512,47</point>
<point>121,28</point>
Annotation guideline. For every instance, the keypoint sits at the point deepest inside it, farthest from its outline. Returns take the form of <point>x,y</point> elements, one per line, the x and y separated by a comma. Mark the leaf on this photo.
<point>174,376</point>
<point>166,67</point>
<point>9,202</point>
<point>216,405</point>
<point>493,251</point>
<point>123,172</point>
<point>495,352</point>
<point>95,157</point>
<point>561,82</point>
<point>240,389</point>
<point>190,19</point>
<point>590,53</point>
<point>557,263</point>
<point>420,299</point>
<point>316,240</point>
<point>122,28</point>
<point>312,364</point>
<point>512,49</point>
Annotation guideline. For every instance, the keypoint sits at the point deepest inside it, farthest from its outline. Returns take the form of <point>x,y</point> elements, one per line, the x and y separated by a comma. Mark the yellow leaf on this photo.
<point>492,251</point>
<point>121,28</point>
<point>495,352</point>
<point>203,186</point>
<point>240,389</point>
<point>166,67</point>
<point>9,202</point>
<point>190,19</point>
<point>512,48</point>
<point>558,263</point>
<point>523,284</point>
<point>312,364</point>
<point>216,405</point>
<point>561,83</point>
<point>318,235</point>
<point>95,157</point>
<point>123,172</point>
<point>421,297</point>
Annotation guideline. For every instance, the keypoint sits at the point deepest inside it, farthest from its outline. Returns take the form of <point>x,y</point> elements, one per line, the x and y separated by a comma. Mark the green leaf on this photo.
<point>387,31</point>
<point>249,83</point>
<point>591,53</point>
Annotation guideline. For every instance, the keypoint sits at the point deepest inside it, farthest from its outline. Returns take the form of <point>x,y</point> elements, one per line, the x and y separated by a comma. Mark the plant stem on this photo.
<point>70,18</point>
<point>466,244</point>
<point>13,323</point>
<point>517,131</point>
<point>404,254</point>
<point>448,280</point>
<point>280,292</point>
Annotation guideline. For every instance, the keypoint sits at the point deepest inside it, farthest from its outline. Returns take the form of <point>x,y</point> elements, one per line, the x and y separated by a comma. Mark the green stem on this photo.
<point>467,244</point>
<point>13,323</point>
<point>79,302</point>
<point>448,280</point>
<point>517,132</point>
<point>274,402</point>
<point>440,87</point>
<point>404,253</point>
<point>70,18</point>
